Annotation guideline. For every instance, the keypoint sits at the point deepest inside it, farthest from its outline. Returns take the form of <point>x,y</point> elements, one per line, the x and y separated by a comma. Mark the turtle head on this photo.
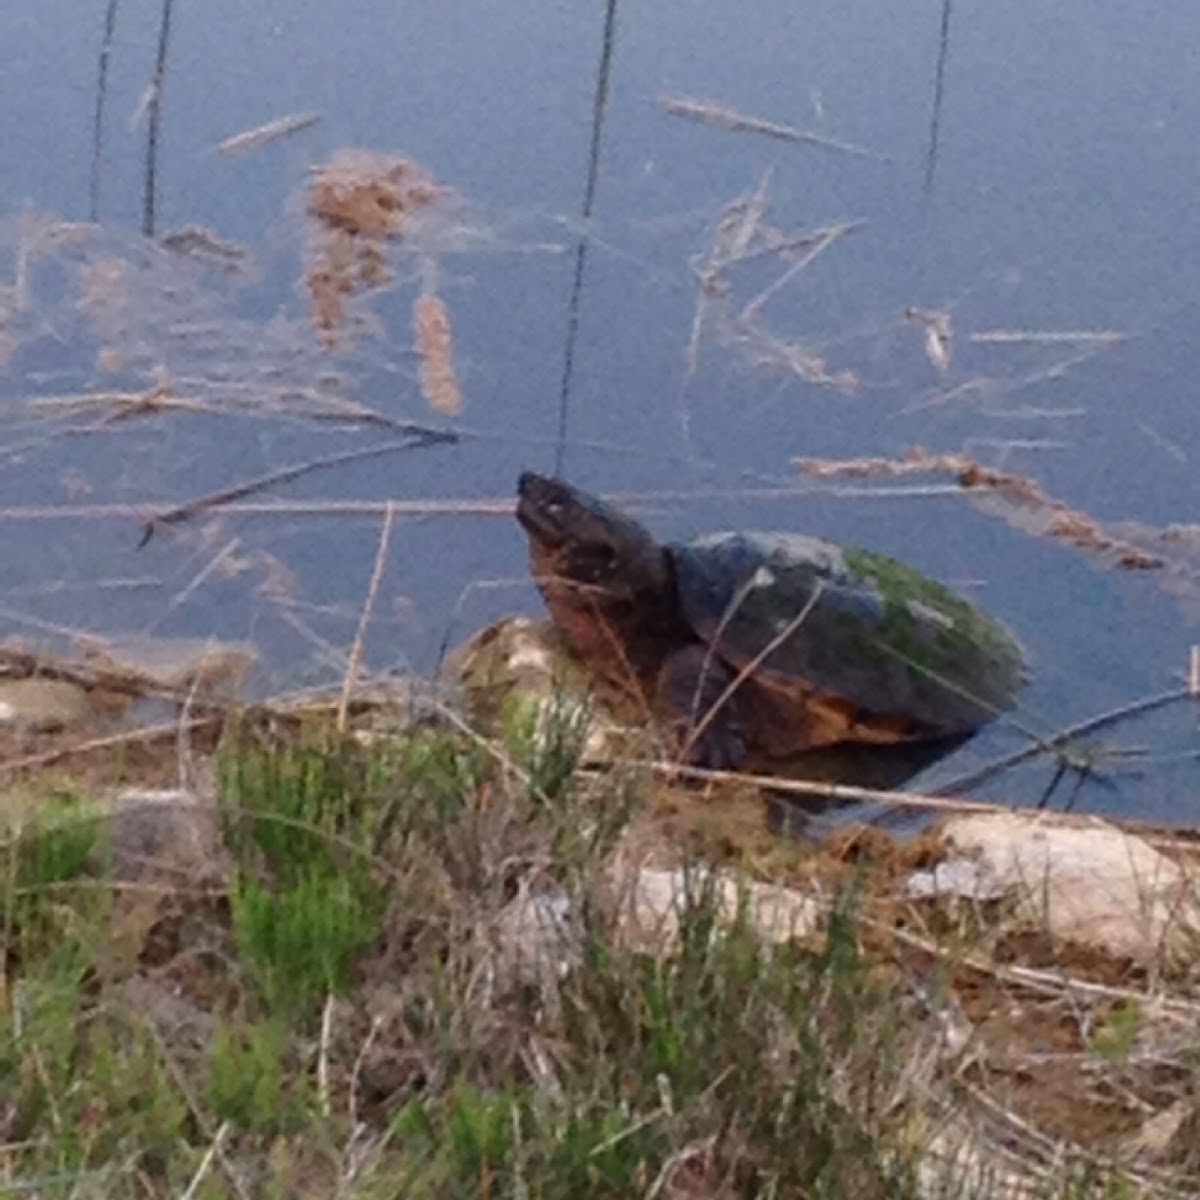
<point>583,546</point>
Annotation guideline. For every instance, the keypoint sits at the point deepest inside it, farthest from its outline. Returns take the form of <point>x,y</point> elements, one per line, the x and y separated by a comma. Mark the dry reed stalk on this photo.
<point>129,737</point>
<point>720,116</point>
<point>1181,837</point>
<point>1048,337</point>
<point>818,789</point>
<point>824,240</point>
<point>221,561</point>
<point>354,661</point>
<point>742,233</point>
<point>988,385</point>
<point>738,223</point>
<point>782,636</point>
<point>154,400</point>
<point>1065,736</point>
<point>765,349</point>
<point>456,508</point>
<point>1162,442</point>
<point>220,499</point>
<point>270,131</point>
<point>1030,508</point>
<point>434,341</point>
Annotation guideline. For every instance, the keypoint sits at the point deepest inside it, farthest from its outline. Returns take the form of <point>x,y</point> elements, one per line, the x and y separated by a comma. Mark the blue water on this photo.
<point>1062,197</point>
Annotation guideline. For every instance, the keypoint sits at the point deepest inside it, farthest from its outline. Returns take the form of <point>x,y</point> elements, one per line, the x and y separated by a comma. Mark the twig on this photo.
<point>1022,498</point>
<point>22,664</point>
<point>819,789</point>
<point>270,131</point>
<point>183,740</point>
<point>827,239</point>
<point>719,116</point>
<point>1053,337</point>
<point>181,1082</point>
<point>359,1060</point>
<point>1045,745</point>
<point>737,224</point>
<point>1039,979</point>
<point>197,580</point>
<point>220,498</point>
<point>986,385</point>
<point>130,737</point>
<point>356,649</point>
<point>462,508</point>
<point>214,1148</point>
<point>782,636</point>
<point>323,1056</point>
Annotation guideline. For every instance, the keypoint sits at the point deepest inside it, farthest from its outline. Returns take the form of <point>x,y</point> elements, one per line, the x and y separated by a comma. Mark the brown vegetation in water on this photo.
<point>434,342</point>
<point>743,234</point>
<point>1026,505</point>
<point>358,202</point>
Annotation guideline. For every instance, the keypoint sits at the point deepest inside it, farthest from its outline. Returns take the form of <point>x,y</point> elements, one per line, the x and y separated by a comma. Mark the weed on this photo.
<point>300,941</point>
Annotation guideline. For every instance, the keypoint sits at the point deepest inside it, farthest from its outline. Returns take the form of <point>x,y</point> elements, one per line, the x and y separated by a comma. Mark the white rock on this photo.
<point>168,834</point>
<point>537,939</point>
<point>653,900</point>
<point>38,704</point>
<point>971,878</point>
<point>1083,880</point>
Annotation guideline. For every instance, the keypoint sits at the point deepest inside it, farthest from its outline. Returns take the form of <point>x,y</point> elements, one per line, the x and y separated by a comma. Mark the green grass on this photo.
<point>338,1023</point>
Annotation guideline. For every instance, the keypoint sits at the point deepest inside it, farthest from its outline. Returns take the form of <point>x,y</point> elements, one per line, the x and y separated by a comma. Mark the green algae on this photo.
<point>955,643</point>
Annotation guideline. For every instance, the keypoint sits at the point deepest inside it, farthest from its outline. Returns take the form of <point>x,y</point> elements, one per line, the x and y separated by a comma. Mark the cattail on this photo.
<point>431,326</point>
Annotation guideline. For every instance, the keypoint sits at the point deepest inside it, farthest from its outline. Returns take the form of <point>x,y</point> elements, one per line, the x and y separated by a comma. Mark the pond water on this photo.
<point>966,174</point>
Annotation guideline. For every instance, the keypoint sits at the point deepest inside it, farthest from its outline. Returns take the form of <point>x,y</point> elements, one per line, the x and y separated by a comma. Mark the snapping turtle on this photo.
<point>753,649</point>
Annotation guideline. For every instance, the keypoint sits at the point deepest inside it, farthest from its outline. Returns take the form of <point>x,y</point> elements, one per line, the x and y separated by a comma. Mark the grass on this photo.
<point>350,1017</point>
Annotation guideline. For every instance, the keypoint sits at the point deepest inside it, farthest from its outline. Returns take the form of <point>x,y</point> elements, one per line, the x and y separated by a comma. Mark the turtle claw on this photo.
<point>691,686</point>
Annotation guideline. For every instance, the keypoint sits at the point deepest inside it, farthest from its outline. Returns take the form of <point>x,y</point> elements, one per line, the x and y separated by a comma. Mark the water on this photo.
<point>1059,196</point>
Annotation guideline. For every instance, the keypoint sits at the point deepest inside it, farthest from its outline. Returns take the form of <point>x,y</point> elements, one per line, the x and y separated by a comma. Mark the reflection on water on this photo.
<point>1004,285</point>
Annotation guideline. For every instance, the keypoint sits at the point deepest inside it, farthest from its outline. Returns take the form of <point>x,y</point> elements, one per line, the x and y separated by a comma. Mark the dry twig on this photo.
<point>220,499</point>
<point>1026,505</point>
<point>270,131</point>
<point>356,649</point>
<point>720,116</point>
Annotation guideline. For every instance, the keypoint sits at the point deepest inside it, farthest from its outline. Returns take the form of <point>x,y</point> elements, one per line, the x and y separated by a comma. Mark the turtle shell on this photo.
<point>851,625</point>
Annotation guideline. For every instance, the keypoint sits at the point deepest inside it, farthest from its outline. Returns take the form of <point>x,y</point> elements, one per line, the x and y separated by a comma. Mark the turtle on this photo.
<point>753,649</point>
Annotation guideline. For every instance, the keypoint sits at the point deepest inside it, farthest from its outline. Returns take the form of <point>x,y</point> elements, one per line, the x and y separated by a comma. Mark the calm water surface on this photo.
<point>1054,191</point>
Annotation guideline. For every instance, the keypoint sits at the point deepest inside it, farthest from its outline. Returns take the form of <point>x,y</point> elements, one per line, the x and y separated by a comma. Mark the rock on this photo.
<point>170,836</point>
<point>518,661</point>
<point>155,843</point>
<point>538,939</point>
<point>1081,880</point>
<point>656,899</point>
<point>168,1009</point>
<point>971,878</point>
<point>207,666</point>
<point>41,705</point>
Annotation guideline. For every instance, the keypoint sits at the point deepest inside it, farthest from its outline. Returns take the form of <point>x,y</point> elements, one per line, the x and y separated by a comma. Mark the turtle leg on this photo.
<point>690,685</point>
